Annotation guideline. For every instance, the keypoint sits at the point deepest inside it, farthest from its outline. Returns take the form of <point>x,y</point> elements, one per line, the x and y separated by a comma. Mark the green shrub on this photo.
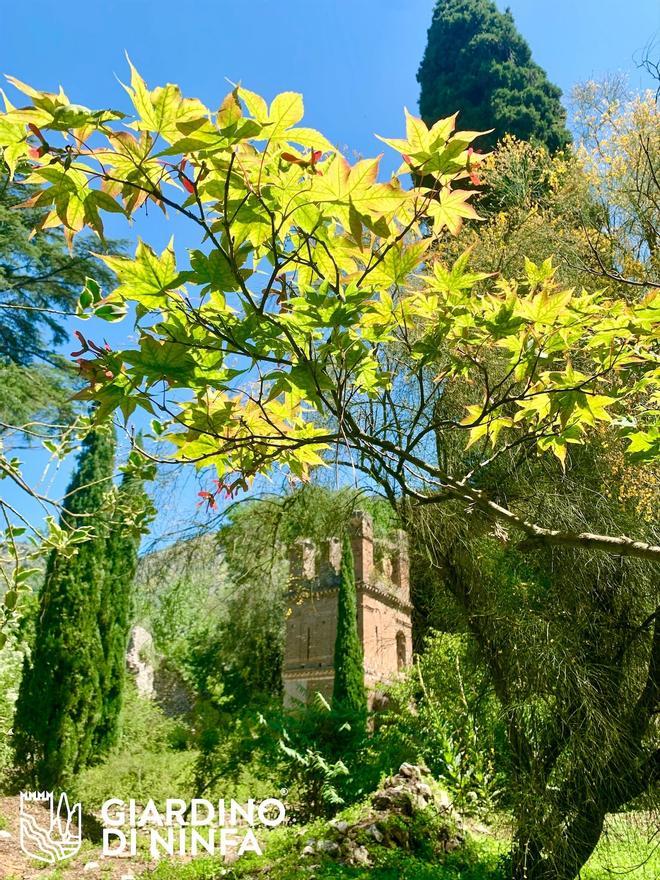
<point>445,715</point>
<point>148,761</point>
<point>11,666</point>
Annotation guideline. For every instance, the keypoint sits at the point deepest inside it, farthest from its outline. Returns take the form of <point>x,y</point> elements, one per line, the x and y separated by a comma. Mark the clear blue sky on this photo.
<point>354,60</point>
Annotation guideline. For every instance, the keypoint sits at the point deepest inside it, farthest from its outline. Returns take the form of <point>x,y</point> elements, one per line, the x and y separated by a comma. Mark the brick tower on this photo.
<point>384,611</point>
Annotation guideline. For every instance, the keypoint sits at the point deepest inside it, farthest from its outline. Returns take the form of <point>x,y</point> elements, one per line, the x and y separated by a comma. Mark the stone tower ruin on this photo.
<point>384,612</point>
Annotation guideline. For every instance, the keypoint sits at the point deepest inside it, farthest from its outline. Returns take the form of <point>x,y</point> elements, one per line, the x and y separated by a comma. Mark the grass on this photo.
<point>628,848</point>
<point>625,850</point>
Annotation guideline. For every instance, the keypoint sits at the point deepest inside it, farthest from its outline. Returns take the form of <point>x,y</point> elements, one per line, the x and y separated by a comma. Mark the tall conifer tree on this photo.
<point>121,556</point>
<point>348,693</point>
<point>60,702</point>
<point>477,62</point>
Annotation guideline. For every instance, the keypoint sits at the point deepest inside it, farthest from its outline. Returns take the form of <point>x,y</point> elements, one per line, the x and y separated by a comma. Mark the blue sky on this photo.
<point>355,61</point>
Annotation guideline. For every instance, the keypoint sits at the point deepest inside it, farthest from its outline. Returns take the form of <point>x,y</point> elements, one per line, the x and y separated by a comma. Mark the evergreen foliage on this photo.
<point>60,702</point>
<point>478,63</point>
<point>115,613</point>
<point>40,280</point>
<point>348,691</point>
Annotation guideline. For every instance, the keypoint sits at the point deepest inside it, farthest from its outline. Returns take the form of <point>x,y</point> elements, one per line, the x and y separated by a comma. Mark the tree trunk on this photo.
<point>563,862</point>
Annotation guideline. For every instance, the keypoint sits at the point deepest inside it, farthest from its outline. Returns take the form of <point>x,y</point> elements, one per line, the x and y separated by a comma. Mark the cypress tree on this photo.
<point>348,694</point>
<point>114,620</point>
<point>60,699</point>
<point>477,62</point>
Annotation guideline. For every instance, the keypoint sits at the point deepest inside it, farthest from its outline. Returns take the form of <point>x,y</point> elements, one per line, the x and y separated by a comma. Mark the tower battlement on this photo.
<point>382,564</point>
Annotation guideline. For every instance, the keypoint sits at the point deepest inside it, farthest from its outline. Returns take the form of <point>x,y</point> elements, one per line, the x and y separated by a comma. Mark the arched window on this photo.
<point>400,651</point>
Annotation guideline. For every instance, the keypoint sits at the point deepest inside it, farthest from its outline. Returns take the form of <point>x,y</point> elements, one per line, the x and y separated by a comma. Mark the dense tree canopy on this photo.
<point>40,280</point>
<point>61,699</point>
<point>569,641</point>
<point>328,317</point>
<point>476,61</point>
<point>315,295</point>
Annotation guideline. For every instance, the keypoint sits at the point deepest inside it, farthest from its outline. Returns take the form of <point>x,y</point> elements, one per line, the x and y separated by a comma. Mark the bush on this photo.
<point>151,759</point>
<point>11,665</point>
<point>445,715</point>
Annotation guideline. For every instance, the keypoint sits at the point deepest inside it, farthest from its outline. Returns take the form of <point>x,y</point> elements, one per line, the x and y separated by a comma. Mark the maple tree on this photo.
<point>315,315</point>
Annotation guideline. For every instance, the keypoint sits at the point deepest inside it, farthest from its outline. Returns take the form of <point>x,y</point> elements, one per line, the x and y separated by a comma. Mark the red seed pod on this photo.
<point>36,132</point>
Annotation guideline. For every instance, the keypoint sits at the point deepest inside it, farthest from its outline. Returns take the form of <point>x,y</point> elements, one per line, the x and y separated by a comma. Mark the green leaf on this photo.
<point>162,110</point>
<point>161,359</point>
<point>255,104</point>
<point>214,271</point>
<point>399,262</point>
<point>285,110</point>
<point>148,279</point>
<point>450,209</point>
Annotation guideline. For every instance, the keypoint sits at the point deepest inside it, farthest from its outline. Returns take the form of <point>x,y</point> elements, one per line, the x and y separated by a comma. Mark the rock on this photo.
<point>375,833</point>
<point>395,798</point>
<point>409,771</point>
<point>354,854</point>
<point>170,689</point>
<point>407,813</point>
<point>139,661</point>
<point>91,866</point>
<point>424,791</point>
<point>5,835</point>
